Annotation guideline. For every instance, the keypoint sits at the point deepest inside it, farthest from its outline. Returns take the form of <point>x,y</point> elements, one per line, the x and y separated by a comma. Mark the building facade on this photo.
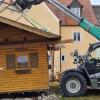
<point>69,29</point>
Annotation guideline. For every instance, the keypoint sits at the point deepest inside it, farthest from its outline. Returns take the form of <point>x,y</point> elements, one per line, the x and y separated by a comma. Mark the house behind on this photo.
<point>69,29</point>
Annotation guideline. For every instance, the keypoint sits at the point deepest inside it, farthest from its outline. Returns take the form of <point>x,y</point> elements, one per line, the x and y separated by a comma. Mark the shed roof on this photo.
<point>22,21</point>
<point>87,12</point>
<point>29,28</point>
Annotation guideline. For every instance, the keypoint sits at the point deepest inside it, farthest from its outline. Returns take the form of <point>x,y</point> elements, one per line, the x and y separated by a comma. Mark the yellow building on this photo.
<point>81,45</point>
<point>69,29</point>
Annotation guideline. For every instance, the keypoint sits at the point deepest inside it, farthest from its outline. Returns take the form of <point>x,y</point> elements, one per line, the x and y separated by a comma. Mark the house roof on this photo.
<point>29,29</point>
<point>97,13</point>
<point>87,12</point>
<point>79,3</point>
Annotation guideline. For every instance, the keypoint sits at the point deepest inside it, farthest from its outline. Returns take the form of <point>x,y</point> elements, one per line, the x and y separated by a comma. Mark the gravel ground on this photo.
<point>50,95</point>
<point>17,99</point>
<point>30,96</point>
<point>43,97</point>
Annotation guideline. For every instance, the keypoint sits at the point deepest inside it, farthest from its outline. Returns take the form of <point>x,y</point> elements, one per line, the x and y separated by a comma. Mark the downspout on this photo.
<point>60,48</point>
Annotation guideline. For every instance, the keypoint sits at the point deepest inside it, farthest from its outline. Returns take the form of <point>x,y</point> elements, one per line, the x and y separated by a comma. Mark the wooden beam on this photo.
<point>67,41</point>
<point>28,28</point>
<point>8,42</point>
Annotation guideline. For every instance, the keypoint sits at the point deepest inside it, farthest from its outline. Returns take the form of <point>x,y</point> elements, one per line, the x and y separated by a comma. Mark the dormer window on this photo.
<point>76,11</point>
<point>76,7</point>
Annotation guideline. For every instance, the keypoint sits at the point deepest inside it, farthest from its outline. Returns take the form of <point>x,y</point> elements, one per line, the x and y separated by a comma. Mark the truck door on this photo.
<point>93,63</point>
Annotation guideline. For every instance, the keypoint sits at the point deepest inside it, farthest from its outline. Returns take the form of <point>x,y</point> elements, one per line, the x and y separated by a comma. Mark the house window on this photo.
<point>22,60</point>
<point>63,58</point>
<point>76,11</point>
<point>76,36</point>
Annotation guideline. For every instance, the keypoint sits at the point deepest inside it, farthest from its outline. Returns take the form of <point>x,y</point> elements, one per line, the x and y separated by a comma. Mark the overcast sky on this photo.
<point>95,2</point>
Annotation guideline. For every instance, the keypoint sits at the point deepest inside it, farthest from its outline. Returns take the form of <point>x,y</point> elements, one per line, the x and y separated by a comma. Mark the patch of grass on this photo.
<point>90,95</point>
<point>81,98</point>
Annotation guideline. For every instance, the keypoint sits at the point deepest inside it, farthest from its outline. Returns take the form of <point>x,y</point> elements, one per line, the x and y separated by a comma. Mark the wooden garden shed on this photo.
<point>23,57</point>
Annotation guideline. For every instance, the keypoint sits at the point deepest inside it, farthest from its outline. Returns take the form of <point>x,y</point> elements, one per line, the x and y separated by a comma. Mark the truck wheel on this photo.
<point>73,84</point>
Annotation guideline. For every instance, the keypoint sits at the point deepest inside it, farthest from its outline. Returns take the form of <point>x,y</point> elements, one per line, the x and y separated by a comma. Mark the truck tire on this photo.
<point>73,84</point>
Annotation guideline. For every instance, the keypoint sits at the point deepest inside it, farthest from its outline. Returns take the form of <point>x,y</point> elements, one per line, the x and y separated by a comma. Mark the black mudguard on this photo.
<point>82,72</point>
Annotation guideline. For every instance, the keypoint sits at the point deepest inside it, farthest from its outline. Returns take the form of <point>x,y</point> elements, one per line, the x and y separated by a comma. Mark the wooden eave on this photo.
<point>40,32</point>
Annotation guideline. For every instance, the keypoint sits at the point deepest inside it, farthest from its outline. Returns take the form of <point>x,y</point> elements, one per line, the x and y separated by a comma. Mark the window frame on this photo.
<point>62,59</point>
<point>77,40</point>
<point>76,10</point>
<point>22,53</point>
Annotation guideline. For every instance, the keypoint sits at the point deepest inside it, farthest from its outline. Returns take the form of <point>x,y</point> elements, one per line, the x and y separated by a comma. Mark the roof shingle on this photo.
<point>97,13</point>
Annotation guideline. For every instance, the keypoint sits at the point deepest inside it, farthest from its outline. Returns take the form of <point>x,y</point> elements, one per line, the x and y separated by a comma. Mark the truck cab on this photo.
<point>92,65</point>
<point>74,82</point>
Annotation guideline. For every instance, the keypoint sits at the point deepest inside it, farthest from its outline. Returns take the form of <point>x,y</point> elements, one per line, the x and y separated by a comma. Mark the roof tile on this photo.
<point>97,13</point>
<point>87,12</point>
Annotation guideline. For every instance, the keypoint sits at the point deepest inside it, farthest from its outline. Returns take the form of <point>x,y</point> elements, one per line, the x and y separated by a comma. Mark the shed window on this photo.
<point>22,60</point>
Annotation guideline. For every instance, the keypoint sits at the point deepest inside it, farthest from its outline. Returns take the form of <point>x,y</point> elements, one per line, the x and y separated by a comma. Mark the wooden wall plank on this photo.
<point>10,81</point>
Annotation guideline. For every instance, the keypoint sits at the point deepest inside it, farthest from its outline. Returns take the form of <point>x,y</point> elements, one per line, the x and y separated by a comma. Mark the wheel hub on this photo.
<point>73,85</point>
